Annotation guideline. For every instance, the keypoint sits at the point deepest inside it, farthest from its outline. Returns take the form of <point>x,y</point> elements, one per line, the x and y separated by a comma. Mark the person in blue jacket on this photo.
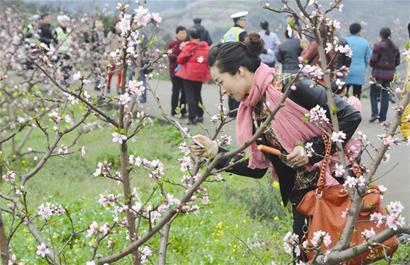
<point>361,53</point>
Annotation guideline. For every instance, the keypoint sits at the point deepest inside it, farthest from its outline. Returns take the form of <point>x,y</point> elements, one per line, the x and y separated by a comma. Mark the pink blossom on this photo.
<point>10,176</point>
<point>389,140</point>
<point>63,150</point>
<point>136,87</point>
<point>394,221</point>
<point>185,163</point>
<point>46,210</point>
<point>105,228</point>
<point>109,199</point>
<point>146,252</point>
<point>395,207</point>
<point>382,188</point>
<point>157,19</point>
<point>77,76</point>
<point>377,218</point>
<point>92,230</point>
<point>172,200</point>
<point>42,250</point>
<point>368,234</point>
<point>224,140</point>
<point>184,148</point>
<point>406,54</point>
<point>137,161</point>
<point>320,237</point>
<point>205,200</point>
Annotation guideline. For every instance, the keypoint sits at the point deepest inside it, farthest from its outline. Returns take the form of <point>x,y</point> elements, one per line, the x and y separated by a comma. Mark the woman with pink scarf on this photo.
<point>237,68</point>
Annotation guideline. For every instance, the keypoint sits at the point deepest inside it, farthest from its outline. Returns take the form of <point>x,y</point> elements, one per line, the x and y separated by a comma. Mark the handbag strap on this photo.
<point>321,182</point>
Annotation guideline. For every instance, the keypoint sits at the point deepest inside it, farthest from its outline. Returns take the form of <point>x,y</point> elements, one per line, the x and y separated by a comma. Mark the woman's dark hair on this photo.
<point>114,23</point>
<point>42,16</point>
<point>194,33</point>
<point>265,26</point>
<point>229,56</point>
<point>385,33</point>
<point>180,28</point>
<point>355,28</point>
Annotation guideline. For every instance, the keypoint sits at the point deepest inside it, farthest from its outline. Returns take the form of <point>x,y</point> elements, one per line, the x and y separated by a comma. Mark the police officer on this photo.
<point>236,33</point>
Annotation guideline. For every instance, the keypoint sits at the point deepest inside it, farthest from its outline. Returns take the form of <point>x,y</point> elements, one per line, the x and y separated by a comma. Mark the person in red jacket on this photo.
<point>194,70</point>
<point>178,99</point>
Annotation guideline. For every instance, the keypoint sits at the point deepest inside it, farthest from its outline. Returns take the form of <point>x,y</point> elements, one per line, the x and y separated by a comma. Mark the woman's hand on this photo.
<point>209,148</point>
<point>298,157</point>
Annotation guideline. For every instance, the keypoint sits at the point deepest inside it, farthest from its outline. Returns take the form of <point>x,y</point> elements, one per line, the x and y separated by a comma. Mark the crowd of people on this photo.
<point>188,55</point>
<point>286,57</point>
<point>100,41</point>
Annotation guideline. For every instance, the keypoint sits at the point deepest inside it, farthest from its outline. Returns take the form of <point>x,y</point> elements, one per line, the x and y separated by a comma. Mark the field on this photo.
<point>243,223</point>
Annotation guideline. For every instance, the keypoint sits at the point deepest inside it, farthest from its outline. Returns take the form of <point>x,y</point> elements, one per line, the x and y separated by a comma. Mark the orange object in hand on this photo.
<point>269,150</point>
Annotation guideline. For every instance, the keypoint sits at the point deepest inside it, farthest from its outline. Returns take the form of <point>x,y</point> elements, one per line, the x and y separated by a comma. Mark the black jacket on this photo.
<point>288,54</point>
<point>45,33</point>
<point>204,34</point>
<point>308,97</point>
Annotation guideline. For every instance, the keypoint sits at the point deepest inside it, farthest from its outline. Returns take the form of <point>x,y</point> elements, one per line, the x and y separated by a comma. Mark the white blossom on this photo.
<point>124,98</point>
<point>340,170</point>
<point>329,47</point>
<point>318,115</point>
<point>124,24</point>
<point>291,244</point>
<point>118,138</point>
<point>346,50</point>
<point>77,76</point>
<point>136,87</point>
<point>338,137</point>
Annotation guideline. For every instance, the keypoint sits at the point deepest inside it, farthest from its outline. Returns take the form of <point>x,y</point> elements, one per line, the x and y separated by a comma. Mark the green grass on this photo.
<point>244,222</point>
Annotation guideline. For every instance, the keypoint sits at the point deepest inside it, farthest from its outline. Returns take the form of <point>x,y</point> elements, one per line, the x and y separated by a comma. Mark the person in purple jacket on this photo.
<point>178,99</point>
<point>384,60</point>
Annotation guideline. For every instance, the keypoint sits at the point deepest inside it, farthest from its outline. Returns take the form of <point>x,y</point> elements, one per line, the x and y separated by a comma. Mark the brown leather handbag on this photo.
<point>324,207</point>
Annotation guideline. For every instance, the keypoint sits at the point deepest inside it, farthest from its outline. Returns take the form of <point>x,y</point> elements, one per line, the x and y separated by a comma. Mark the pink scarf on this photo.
<point>288,124</point>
